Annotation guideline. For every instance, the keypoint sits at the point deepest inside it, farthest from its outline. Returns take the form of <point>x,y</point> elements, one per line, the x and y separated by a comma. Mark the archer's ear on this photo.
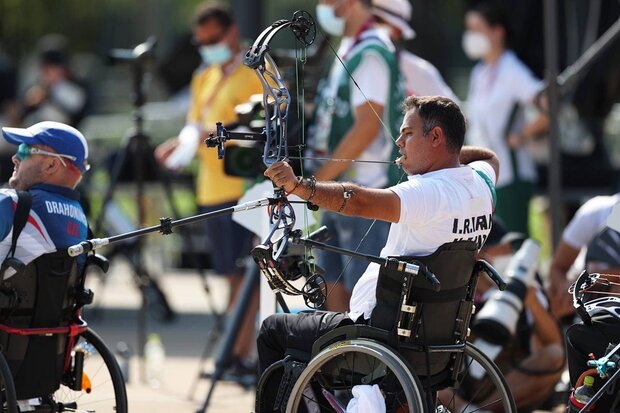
<point>437,136</point>
<point>51,166</point>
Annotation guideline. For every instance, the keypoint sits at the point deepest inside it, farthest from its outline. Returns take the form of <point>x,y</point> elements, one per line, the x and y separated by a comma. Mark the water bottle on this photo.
<point>123,356</point>
<point>154,356</point>
<point>582,395</point>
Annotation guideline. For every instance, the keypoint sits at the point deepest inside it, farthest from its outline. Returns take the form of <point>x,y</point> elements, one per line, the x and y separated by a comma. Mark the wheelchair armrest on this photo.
<point>99,260</point>
<point>482,265</point>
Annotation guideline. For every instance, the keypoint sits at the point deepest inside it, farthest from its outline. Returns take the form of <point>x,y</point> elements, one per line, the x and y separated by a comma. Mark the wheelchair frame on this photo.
<point>82,345</point>
<point>382,362</point>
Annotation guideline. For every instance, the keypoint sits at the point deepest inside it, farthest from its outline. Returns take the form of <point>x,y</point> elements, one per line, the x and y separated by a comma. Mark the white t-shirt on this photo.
<point>493,90</point>
<point>422,78</point>
<point>436,208</point>
<point>589,220</point>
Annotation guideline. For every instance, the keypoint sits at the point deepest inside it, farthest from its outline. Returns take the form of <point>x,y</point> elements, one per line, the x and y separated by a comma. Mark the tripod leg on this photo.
<point>149,287</point>
<point>109,194</point>
<point>223,355</point>
<point>164,179</point>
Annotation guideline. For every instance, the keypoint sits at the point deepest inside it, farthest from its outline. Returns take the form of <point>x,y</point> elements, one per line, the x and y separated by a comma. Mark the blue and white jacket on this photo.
<point>56,221</point>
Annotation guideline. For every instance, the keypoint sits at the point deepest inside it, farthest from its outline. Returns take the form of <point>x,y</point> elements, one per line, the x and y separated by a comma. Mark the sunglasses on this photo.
<point>25,151</point>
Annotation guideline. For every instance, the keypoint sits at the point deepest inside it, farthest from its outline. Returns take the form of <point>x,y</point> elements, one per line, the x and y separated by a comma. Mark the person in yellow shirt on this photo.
<point>219,85</point>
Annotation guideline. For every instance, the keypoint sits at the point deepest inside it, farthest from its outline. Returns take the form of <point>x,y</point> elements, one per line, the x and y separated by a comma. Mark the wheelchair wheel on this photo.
<point>103,387</point>
<point>330,377</point>
<point>8,398</point>
<point>481,386</point>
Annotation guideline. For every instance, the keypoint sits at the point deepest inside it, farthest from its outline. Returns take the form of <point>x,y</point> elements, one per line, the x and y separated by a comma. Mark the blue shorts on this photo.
<point>229,242</point>
<point>347,232</point>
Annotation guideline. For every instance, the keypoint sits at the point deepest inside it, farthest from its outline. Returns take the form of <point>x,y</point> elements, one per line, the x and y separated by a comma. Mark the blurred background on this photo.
<point>93,28</point>
<point>82,34</point>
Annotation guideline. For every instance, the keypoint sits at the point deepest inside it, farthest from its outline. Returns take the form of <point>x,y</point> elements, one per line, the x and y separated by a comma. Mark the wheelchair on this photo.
<point>414,348</point>
<point>50,360</point>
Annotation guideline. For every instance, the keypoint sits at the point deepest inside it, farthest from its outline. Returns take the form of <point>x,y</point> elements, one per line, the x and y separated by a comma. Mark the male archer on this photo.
<point>446,182</point>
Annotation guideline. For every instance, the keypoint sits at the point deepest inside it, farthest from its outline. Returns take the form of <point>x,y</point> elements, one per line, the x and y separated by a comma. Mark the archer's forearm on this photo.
<point>471,154</point>
<point>350,199</point>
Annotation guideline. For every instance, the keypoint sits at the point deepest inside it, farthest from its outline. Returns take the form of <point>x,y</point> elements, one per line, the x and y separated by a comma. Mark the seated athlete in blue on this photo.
<point>50,160</point>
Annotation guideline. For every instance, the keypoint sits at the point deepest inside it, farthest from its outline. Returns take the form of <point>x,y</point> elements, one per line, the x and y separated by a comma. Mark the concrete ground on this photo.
<point>116,319</point>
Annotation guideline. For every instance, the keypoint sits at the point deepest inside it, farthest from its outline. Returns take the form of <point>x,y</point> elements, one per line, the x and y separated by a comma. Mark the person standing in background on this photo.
<point>215,90</point>
<point>420,76</point>
<point>589,220</point>
<point>500,85</point>
<point>355,119</point>
<point>58,95</point>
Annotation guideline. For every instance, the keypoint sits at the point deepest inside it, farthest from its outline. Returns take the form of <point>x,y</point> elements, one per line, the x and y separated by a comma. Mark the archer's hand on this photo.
<point>282,176</point>
<point>163,151</point>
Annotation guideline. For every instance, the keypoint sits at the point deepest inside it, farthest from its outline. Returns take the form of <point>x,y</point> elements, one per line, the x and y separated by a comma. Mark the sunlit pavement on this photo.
<point>184,340</point>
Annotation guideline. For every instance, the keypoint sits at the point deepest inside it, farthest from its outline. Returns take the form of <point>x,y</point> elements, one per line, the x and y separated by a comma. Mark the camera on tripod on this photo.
<point>244,158</point>
<point>497,321</point>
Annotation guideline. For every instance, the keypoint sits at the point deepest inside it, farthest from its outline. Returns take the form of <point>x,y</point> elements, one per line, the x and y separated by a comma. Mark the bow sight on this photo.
<point>276,97</point>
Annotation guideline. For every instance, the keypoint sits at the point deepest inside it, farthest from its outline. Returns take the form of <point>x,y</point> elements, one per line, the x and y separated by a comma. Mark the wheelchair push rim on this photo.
<point>387,367</point>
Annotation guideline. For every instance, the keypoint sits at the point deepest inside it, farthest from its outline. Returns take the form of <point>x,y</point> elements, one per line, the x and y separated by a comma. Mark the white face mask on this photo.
<point>328,20</point>
<point>215,54</point>
<point>475,45</point>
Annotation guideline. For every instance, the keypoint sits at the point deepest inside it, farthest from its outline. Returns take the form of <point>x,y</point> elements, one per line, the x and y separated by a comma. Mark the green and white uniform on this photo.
<point>372,62</point>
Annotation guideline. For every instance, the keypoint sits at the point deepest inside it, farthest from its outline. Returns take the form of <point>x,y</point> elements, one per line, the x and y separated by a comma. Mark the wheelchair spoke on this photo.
<point>480,386</point>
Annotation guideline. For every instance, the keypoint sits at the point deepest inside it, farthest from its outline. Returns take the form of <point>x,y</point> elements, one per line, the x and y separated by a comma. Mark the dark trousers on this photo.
<point>282,334</point>
<point>581,340</point>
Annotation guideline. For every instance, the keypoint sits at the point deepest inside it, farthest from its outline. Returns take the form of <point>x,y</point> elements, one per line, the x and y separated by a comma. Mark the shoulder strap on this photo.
<point>24,202</point>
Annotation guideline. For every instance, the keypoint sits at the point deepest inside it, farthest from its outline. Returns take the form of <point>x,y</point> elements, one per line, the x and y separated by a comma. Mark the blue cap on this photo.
<point>64,139</point>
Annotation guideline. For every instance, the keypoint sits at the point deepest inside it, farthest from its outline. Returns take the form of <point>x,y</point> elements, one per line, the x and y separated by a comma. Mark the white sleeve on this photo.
<point>189,138</point>
<point>587,222</point>
<point>418,202</point>
<point>373,78</point>
<point>524,85</point>
<point>485,168</point>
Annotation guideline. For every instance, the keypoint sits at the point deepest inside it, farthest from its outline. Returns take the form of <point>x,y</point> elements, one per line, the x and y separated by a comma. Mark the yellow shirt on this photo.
<point>214,97</point>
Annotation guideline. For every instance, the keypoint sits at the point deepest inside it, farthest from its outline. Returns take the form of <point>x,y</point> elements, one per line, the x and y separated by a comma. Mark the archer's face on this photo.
<point>28,172</point>
<point>415,148</point>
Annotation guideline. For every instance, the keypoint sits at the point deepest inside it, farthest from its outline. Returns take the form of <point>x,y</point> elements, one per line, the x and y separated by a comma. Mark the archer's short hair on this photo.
<point>442,112</point>
<point>213,10</point>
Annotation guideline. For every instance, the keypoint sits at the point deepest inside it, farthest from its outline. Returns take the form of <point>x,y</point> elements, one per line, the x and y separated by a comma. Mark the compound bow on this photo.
<point>276,101</point>
<point>271,255</point>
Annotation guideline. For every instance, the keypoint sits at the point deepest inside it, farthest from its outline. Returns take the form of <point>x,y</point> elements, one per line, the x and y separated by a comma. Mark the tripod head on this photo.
<point>138,57</point>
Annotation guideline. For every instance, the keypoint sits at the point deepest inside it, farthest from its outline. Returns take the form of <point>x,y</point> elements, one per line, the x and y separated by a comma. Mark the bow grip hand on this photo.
<point>282,176</point>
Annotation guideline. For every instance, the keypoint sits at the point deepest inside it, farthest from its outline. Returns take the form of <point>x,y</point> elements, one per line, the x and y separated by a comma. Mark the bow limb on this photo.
<point>276,103</point>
